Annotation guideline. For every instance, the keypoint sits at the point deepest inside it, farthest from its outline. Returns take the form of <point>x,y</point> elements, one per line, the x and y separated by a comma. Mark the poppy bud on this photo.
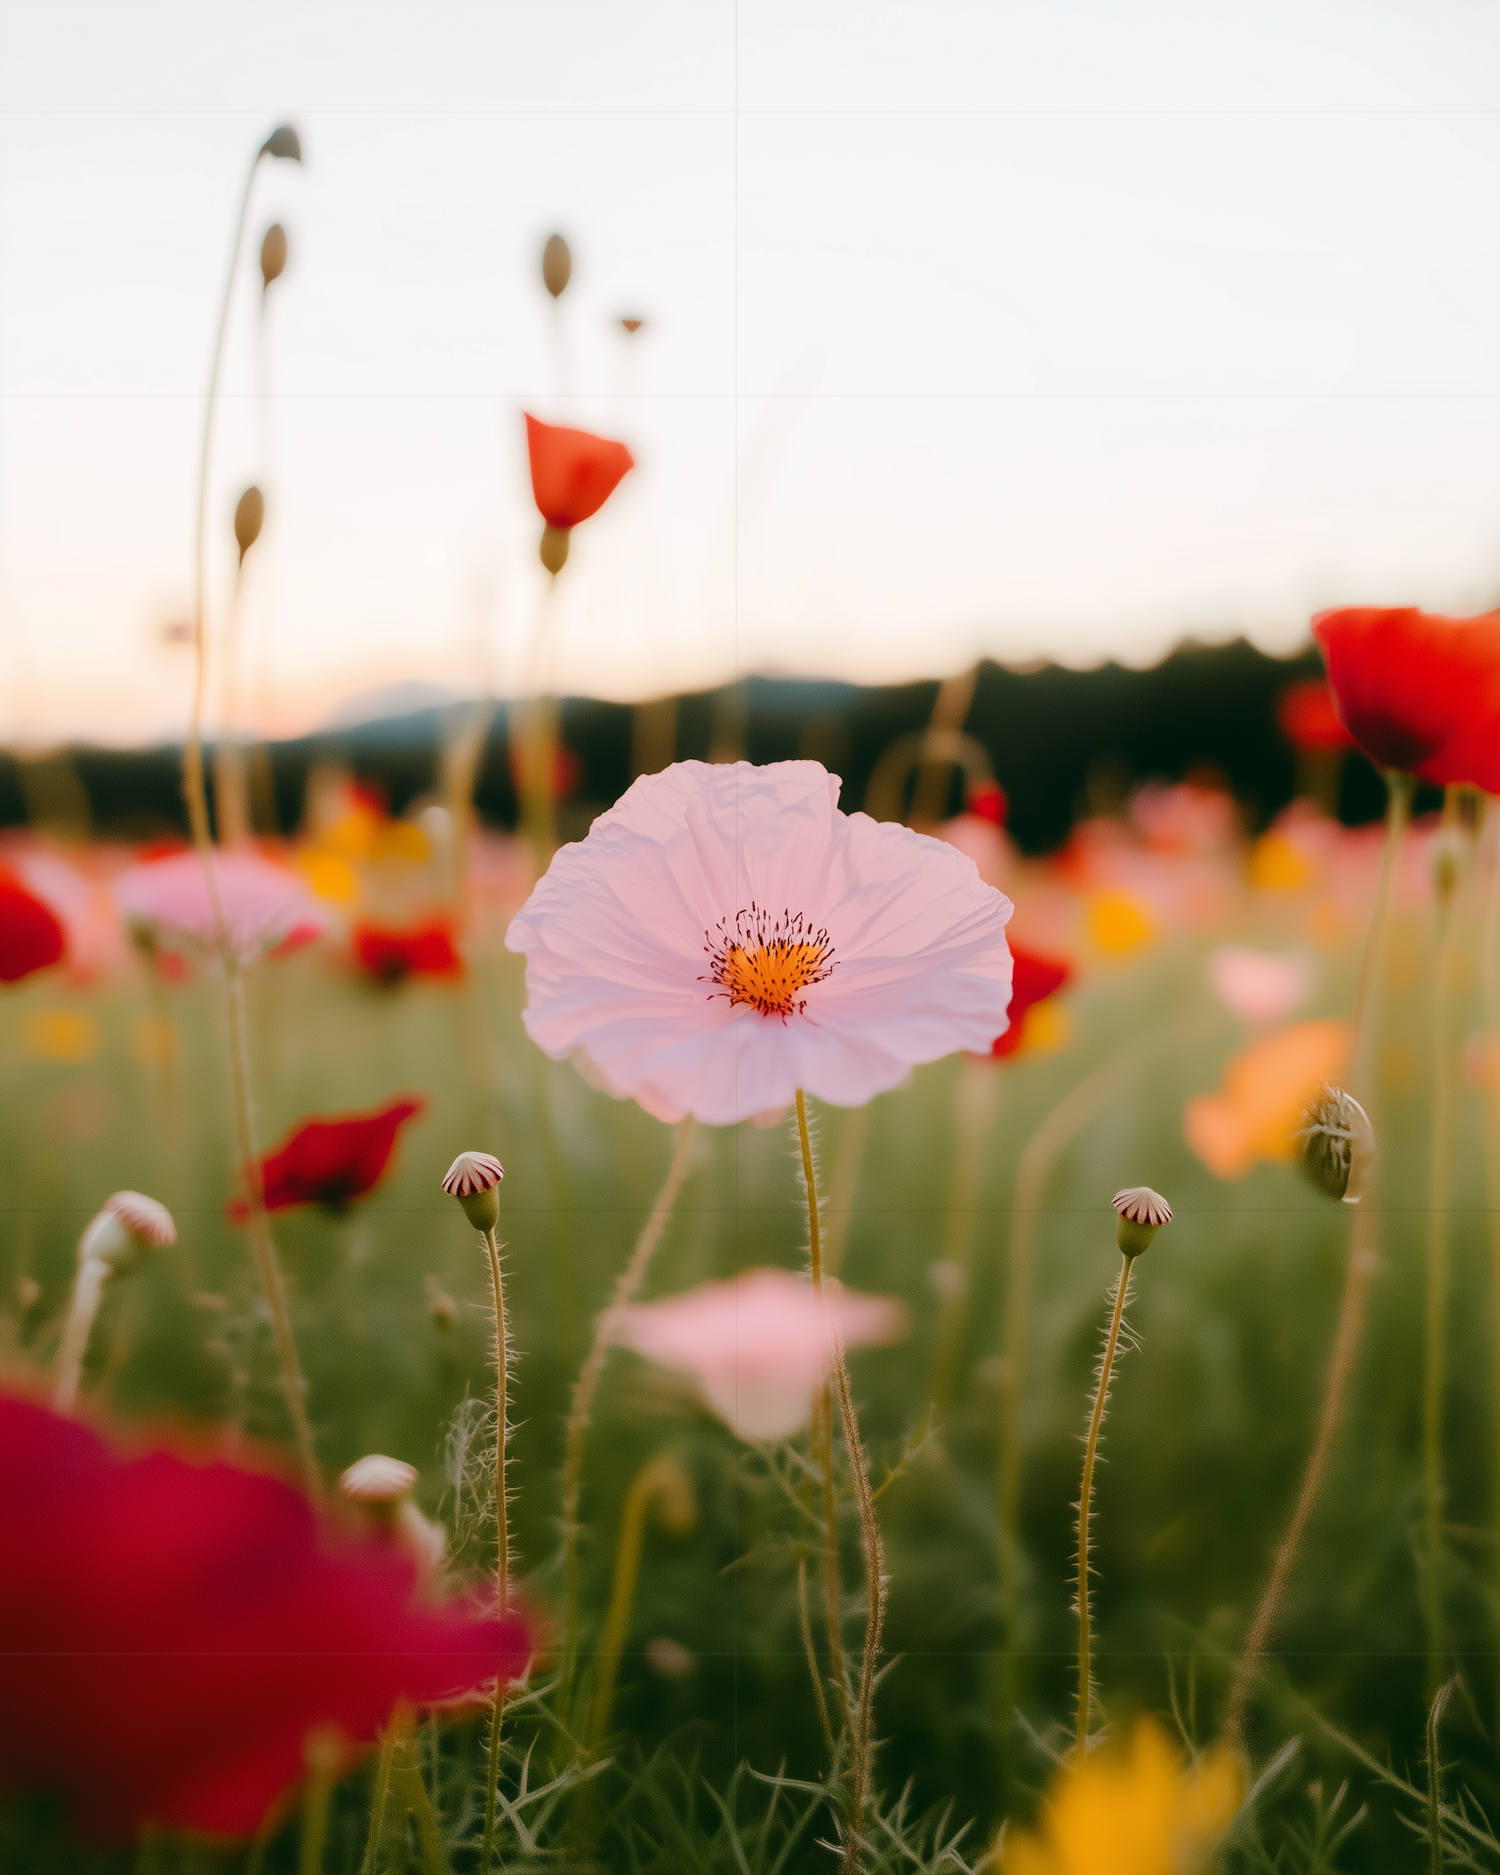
<point>283,142</point>
<point>1142,1212</point>
<point>557,265</point>
<point>249,518</point>
<point>272,254</point>
<point>1336,1144</point>
<point>632,325</point>
<point>474,1179</point>
<point>128,1227</point>
<point>554,548</point>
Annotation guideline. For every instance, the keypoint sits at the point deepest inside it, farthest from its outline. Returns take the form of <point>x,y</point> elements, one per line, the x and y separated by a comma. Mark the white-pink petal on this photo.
<point>263,904</point>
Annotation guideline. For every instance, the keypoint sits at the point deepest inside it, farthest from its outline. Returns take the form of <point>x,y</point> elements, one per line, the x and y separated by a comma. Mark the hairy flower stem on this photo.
<point>1435,1336</point>
<point>502,1533</point>
<point>861,1719</point>
<point>262,1248</point>
<point>1096,1093</point>
<point>1085,1503</point>
<point>1358,1272</point>
<point>626,1289</point>
<point>88,1289</point>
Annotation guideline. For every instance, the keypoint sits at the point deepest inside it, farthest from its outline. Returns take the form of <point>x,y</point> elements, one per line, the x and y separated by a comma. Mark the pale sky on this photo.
<point>1040,329</point>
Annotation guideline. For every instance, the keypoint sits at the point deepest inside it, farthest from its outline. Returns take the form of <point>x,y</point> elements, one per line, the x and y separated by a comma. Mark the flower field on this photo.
<point>1181,993</point>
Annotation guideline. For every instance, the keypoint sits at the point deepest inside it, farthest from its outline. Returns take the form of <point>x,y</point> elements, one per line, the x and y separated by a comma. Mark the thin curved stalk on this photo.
<point>502,1532</point>
<point>1085,1504</point>
<point>805,1626</point>
<point>88,1289</point>
<point>1358,1273</point>
<point>1490,990</point>
<point>625,1291</point>
<point>974,1105</point>
<point>862,1717</point>
<point>643,1488</point>
<point>262,1247</point>
<point>1096,1093</point>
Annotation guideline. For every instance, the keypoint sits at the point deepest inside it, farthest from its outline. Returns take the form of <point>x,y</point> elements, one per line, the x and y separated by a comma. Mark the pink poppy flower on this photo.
<point>198,1614</point>
<point>1259,986</point>
<point>265,907</point>
<point>725,936</point>
<point>758,1346</point>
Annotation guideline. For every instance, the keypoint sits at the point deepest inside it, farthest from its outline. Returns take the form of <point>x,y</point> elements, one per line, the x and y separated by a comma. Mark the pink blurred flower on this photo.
<point>985,842</point>
<point>265,907</point>
<point>759,1345</point>
<point>201,1623</point>
<point>1181,817</point>
<point>725,935</point>
<point>1261,987</point>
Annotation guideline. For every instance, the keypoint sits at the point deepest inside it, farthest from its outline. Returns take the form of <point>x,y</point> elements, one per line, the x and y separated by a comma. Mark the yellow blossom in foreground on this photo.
<point>1136,1810</point>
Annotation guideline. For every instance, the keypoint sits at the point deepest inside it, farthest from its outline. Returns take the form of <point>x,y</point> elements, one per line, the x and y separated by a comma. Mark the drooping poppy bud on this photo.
<point>557,265</point>
<point>1337,1144</point>
<point>272,254</point>
<point>249,518</point>
<point>283,142</point>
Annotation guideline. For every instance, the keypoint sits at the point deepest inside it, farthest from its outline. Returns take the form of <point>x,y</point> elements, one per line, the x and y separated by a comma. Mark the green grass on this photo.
<point>1207,1434</point>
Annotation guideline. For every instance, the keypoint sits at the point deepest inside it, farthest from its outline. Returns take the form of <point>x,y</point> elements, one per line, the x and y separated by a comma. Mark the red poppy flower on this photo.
<point>31,934</point>
<point>1308,717</point>
<point>1033,980</point>
<point>1418,691</point>
<point>425,951</point>
<point>170,1633</point>
<point>988,800</point>
<point>331,1161</point>
<point>573,474</point>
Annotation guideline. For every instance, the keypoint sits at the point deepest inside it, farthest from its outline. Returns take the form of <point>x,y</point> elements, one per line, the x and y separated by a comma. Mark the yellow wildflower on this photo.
<point>1136,1810</point>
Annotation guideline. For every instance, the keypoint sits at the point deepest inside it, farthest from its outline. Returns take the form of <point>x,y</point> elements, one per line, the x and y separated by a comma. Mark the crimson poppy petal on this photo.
<point>170,1632</point>
<point>31,934</point>
<point>331,1161</point>
<point>1034,978</point>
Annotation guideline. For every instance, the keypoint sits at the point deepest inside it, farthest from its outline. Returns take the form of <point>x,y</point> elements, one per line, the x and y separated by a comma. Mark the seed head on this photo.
<point>557,265</point>
<point>474,1179</point>
<point>272,255</point>
<point>377,1479</point>
<point>249,518</point>
<point>1336,1144</point>
<point>1142,1212</point>
<point>283,142</point>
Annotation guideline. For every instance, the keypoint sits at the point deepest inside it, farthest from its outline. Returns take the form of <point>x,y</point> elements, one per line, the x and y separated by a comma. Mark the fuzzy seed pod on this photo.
<point>1336,1144</point>
<point>554,548</point>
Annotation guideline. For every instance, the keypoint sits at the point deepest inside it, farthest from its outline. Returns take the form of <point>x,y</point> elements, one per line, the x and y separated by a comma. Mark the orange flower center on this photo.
<point>767,962</point>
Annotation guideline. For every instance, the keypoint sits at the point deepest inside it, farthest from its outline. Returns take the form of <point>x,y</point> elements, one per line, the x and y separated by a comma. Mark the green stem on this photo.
<point>1085,1502</point>
<point>1435,1337</point>
<point>862,1717</point>
<point>1490,989</point>
<point>812,1656</point>
<point>88,1289</point>
<point>652,1477</point>
<point>625,1292</point>
<point>1358,1273</point>
<point>502,1532</point>
<point>381,1794</point>
<point>973,1121</point>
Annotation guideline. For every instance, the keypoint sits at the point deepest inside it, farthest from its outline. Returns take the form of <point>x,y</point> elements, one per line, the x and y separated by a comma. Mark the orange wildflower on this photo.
<point>1266,1087</point>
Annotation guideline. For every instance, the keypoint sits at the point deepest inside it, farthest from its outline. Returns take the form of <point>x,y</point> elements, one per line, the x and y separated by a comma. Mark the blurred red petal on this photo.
<point>170,1632</point>
<point>424,951</point>
<point>1308,717</point>
<point>331,1161</point>
<point>573,473</point>
<point>1034,978</point>
<point>31,934</point>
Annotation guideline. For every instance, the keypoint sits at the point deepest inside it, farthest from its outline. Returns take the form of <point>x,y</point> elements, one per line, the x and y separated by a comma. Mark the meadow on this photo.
<point>712,1752</point>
